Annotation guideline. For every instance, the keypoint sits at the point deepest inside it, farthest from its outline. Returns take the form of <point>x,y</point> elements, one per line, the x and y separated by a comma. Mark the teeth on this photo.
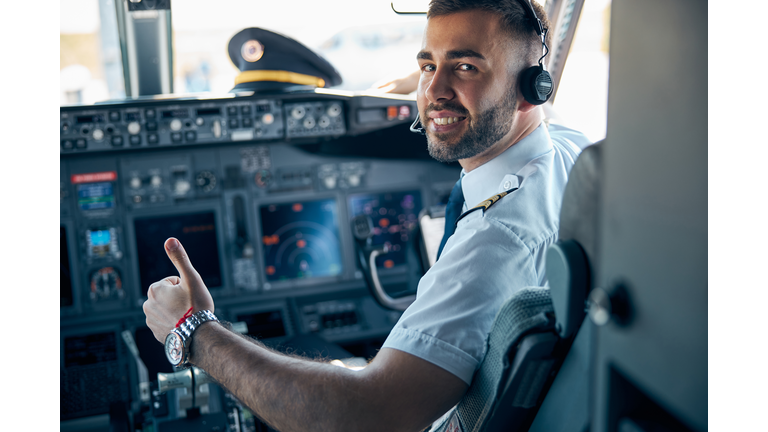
<point>445,120</point>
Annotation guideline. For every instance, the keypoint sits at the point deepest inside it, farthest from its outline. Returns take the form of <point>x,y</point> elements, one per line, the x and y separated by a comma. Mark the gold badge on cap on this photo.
<point>252,50</point>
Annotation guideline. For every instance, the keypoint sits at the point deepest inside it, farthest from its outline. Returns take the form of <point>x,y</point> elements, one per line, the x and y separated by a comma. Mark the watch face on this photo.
<point>174,348</point>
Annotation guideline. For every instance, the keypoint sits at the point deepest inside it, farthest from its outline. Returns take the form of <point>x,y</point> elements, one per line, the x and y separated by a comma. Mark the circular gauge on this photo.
<point>206,181</point>
<point>262,178</point>
<point>106,284</point>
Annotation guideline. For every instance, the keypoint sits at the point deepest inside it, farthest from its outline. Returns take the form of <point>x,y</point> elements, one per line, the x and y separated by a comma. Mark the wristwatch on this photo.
<point>177,341</point>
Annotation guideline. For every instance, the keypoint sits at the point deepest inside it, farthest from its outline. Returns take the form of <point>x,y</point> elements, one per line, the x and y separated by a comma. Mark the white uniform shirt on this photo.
<point>492,254</point>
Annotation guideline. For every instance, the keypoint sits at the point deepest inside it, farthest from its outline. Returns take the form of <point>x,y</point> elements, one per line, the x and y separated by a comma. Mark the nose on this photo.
<point>439,89</point>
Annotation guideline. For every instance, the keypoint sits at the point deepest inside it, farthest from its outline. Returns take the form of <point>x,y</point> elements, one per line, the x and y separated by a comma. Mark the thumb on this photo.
<point>191,280</point>
<point>180,259</point>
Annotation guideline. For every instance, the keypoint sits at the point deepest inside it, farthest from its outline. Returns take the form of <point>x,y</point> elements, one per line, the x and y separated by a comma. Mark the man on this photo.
<point>472,111</point>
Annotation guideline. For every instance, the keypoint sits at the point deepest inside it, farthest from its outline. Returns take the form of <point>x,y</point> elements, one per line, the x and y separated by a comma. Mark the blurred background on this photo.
<point>367,42</point>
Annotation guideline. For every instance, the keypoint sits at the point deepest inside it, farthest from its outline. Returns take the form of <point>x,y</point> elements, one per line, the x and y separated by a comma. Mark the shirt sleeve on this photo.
<point>482,265</point>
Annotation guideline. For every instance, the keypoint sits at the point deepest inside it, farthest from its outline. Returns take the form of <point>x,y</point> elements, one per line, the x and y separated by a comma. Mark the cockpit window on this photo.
<point>91,68</point>
<point>582,95</point>
<point>365,40</point>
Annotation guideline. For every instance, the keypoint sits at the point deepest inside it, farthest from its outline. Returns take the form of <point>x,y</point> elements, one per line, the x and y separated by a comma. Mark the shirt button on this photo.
<point>507,185</point>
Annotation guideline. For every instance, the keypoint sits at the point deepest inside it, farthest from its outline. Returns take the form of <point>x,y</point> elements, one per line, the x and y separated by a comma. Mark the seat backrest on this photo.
<point>515,367</point>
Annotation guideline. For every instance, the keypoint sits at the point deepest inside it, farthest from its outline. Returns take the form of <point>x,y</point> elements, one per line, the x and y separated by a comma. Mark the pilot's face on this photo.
<point>467,93</point>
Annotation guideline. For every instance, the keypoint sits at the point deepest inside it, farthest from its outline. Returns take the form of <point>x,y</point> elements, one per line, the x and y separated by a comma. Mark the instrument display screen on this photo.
<point>395,219</point>
<point>196,232</point>
<point>301,240</point>
<point>264,325</point>
<point>90,349</point>
<point>95,196</point>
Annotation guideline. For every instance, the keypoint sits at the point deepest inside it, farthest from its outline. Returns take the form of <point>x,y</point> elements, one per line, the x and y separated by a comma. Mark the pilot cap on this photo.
<point>269,61</point>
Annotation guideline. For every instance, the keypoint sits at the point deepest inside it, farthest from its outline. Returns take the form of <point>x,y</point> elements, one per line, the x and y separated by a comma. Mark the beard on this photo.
<point>485,129</point>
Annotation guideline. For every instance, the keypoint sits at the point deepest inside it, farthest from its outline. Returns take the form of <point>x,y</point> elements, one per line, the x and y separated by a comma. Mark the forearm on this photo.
<point>290,394</point>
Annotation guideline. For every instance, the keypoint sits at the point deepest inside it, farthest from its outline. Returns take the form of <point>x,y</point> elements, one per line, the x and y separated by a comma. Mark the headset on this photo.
<point>535,82</point>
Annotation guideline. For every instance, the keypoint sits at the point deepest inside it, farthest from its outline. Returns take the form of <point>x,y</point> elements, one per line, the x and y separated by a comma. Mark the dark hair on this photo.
<point>513,19</point>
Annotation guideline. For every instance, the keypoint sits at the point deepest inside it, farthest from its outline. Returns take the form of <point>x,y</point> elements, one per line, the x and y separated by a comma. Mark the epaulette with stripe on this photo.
<point>485,205</point>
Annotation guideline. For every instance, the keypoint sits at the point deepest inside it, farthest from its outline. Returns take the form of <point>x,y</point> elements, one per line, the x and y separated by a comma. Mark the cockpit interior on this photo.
<point>311,209</point>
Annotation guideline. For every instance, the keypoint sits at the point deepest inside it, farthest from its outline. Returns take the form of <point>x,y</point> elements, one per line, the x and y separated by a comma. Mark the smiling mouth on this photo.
<point>447,120</point>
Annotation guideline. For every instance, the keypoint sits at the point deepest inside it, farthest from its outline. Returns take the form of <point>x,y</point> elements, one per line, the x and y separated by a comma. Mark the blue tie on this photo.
<point>452,212</point>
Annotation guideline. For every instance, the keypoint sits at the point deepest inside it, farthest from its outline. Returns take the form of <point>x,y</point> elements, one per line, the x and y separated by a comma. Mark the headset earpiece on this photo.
<point>535,82</point>
<point>536,85</point>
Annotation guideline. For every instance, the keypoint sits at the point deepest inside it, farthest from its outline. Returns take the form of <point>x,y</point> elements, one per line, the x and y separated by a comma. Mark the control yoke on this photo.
<point>362,229</point>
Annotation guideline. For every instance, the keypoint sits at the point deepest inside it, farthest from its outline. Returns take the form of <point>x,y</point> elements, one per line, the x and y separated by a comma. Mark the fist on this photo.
<point>169,299</point>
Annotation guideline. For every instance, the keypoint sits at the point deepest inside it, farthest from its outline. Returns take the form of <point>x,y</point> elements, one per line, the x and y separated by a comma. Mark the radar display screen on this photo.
<point>395,218</point>
<point>301,240</point>
<point>196,232</point>
<point>65,281</point>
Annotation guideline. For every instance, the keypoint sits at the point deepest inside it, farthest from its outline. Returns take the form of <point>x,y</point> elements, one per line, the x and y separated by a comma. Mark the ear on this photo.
<point>524,106</point>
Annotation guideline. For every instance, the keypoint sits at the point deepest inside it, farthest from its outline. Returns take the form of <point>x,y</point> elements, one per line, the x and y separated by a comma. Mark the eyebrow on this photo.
<point>452,55</point>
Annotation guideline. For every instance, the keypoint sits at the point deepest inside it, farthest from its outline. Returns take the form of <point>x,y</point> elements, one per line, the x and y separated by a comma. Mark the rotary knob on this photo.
<point>353,180</point>
<point>182,187</point>
<point>175,125</point>
<point>156,181</point>
<point>98,134</point>
<point>334,110</point>
<point>298,112</point>
<point>134,128</point>
<point>206,181</point>
<point>330,182</point>
<point>135,182</point>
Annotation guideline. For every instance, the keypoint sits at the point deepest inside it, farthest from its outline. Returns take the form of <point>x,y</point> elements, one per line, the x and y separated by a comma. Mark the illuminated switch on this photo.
<point>391,112</point>
<point>405,112</point>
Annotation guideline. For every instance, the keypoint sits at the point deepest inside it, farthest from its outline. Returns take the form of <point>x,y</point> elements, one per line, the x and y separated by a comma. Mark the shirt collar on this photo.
<point>488,179</point>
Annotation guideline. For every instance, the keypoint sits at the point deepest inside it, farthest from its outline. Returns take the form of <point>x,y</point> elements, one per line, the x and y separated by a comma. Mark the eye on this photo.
<point>466,67</point>
<point>428,68</point>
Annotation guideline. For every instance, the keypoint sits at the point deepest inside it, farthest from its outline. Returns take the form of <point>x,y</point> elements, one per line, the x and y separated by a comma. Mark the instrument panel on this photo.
<point>261,198</point>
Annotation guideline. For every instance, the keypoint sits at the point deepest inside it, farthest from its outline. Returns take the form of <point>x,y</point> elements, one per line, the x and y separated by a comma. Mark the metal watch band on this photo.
<point>193,322</point>
<point>184,333</point>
